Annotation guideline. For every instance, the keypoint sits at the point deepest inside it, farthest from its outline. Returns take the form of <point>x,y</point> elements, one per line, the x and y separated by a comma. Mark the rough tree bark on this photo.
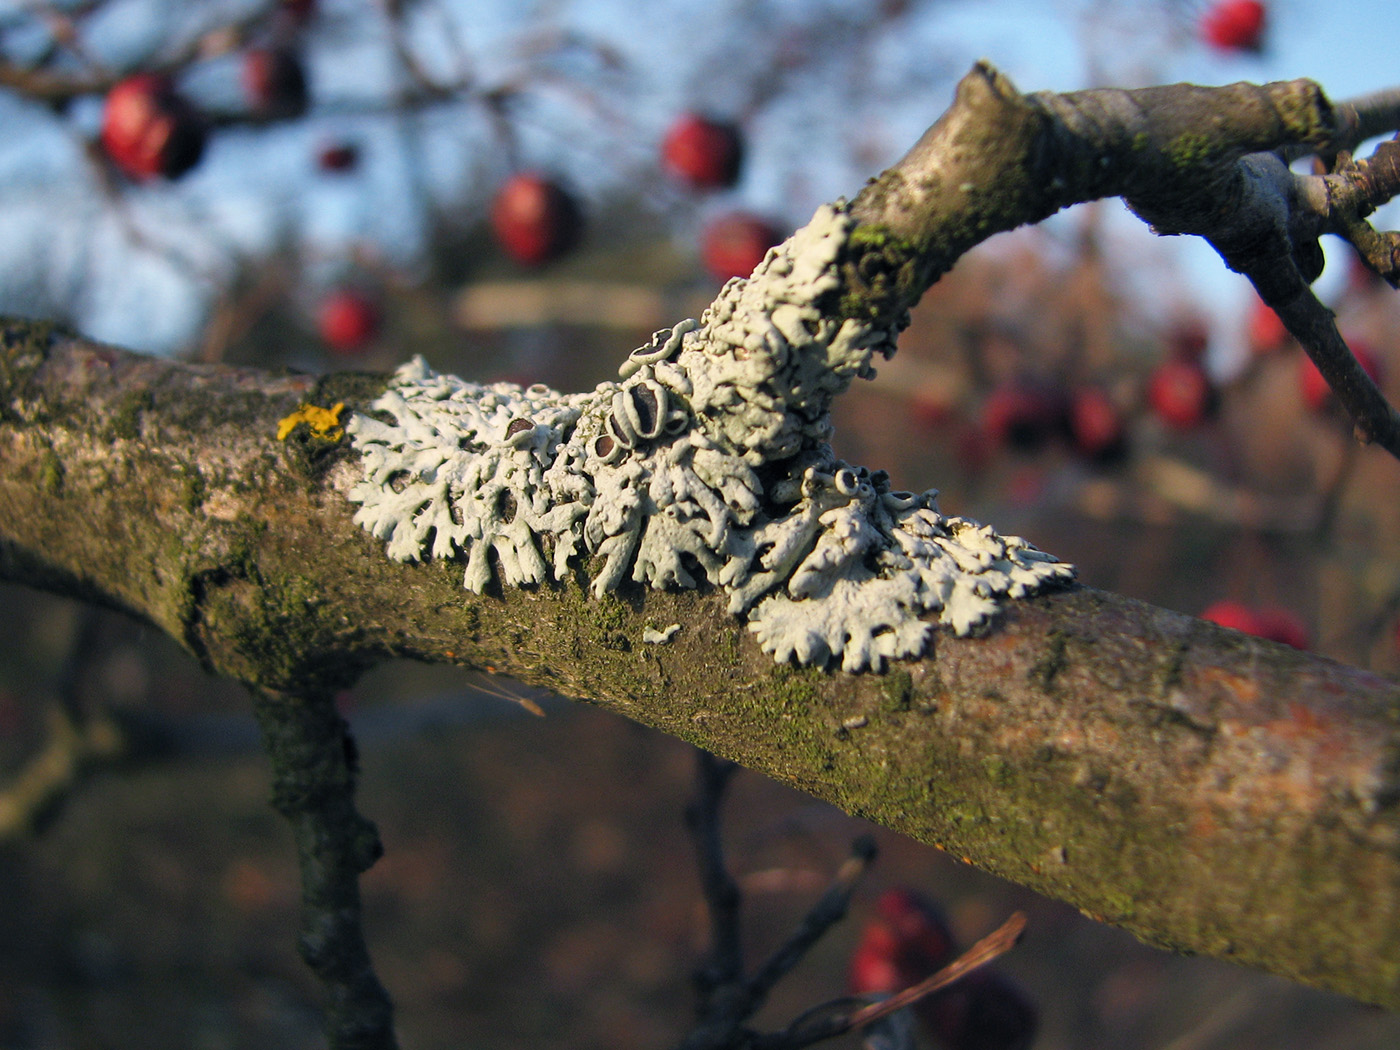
<point>1210,792</point>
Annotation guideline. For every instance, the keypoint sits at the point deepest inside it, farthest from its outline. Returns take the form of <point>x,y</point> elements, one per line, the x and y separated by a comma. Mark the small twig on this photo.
<point>73,750</point>
<point>828,911</point>
<point>77,744</point>
<point>725,964</point>
<point>314,767</point>
<point>995,944</point>
<point>721,1025</point>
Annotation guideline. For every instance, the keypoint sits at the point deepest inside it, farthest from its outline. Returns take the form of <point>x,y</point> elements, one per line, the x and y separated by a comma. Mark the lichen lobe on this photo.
<point>708,461</point>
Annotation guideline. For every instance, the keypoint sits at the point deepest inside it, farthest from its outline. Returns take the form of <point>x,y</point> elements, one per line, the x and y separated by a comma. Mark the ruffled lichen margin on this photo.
<point>708,461</point>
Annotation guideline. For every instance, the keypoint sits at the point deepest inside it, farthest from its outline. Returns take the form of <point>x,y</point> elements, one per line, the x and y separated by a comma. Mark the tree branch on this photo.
<point>314,768</point>
<point>1210,792</point>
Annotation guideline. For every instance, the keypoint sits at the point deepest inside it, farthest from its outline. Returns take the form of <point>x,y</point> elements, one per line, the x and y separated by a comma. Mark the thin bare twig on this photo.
<point>725,964</point>
<point>995,944</point>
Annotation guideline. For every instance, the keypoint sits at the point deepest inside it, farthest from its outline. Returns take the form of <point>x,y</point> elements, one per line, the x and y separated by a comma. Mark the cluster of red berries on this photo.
<point>907,940</point>
<point>150,130</point>
<point>536,220</point>
<point>1272,622</point>
<point>703,153</point>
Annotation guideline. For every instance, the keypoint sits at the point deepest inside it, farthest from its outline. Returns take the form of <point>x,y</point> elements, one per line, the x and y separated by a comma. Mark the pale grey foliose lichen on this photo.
<point>707,461</point>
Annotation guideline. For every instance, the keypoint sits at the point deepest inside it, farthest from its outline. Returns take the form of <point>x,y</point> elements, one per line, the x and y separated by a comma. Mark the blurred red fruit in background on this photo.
<point>732,245</point>
<point>299,11</point>
<point>1232,614</point>
<point>347,321</point>
<point>535,220</point>
<point>274,83</point>
<point>1281,625</point>
<point>1188,339</point>
<point>702,152</point>
<point>1096,425</point>
<point>1234,25</point>
<point>338,156</point>
<point>1317,395</point>
<point>1023,414</point>
<point>1266,332</point>
<point>148,130</point>
<point>1180,393</point>
<point>907,940</point>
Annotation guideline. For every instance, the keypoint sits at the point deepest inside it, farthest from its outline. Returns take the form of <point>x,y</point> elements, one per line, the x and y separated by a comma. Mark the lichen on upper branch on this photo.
<point>707,462</point>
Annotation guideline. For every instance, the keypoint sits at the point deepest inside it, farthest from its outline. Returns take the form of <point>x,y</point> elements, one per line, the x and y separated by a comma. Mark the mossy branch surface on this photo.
<point>1210,792</point>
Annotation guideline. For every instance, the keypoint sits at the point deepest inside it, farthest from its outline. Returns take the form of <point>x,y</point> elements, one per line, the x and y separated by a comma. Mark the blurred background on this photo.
<point>525,192</point>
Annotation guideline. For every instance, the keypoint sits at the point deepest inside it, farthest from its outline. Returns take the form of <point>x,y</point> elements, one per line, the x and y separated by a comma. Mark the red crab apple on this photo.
<point>907,940</point>
<point>1023,414</point>
<point>1095,424</point>
<point>274,82</point>
<point>1266,331</point>
<point>1180,393</point>
<point>347,321</point>
<point>535,220</point>
<point>1188,339</point>
<point>733,244</point>
<point>1232,614</point>
<point>1282,625</point>
<point>148,130</point>
<point>338,156</point>
<point>1317,395</point>
<point>702,152</point>
<point>1234,25</point>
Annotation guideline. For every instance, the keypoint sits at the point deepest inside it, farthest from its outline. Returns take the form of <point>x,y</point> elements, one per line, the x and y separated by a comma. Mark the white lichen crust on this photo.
<point>708,460</point>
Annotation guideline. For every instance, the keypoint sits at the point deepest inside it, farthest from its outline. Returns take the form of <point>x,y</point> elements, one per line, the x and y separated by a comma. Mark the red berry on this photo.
<point>274,83</point>
<point>732,245</point>
<point>1317,395</point>
<point>1234,25</point>
<point>1266,330</point>
<point>148,130</point>
<point>534,219</point>
<point>1023,414</point>
<point>1095,424</point>
<point>907,940</point>
<point>338,156</point>
<point>874,967</point>
<point>1232,614</point>
<point>1180,393</point>
<point>299,11</point>
<point>1188,339</point>
<point>1282,625</point>
<point>702,152</point>
<point>347,321</point>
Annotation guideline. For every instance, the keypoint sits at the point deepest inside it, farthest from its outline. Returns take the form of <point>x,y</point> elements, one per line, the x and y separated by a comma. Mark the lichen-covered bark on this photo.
<point>1211,793</point>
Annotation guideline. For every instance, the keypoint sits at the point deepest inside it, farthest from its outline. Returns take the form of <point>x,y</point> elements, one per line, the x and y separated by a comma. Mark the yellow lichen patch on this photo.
<point>324,422</point>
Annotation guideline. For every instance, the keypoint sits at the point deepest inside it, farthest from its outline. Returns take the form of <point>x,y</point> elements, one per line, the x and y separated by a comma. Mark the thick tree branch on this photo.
<point>1212,793</point>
